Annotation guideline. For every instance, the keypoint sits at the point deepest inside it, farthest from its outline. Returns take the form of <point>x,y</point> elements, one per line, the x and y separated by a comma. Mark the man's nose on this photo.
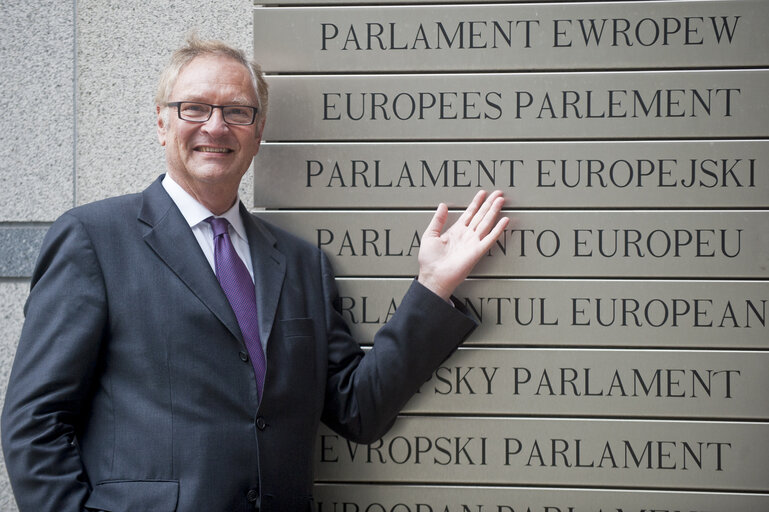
<point>216,122</point>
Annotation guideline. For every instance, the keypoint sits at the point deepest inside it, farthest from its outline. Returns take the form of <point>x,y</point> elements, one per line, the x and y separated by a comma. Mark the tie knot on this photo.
<point>220,225</point>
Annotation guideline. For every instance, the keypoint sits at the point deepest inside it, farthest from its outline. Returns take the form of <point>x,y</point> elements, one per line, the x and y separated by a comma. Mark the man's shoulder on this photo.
<point>94,226</point>
<point>105,212</point>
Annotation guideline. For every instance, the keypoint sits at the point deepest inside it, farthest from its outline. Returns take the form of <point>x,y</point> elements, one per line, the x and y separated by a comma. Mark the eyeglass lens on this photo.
<point>201,112</point>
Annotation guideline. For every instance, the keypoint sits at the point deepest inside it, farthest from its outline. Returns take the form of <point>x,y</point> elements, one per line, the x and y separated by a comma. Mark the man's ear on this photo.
<point>161,125</point>
<point>259,132</point>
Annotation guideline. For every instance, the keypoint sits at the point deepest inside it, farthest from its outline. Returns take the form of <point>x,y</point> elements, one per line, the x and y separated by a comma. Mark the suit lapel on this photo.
<point>269,271</point>
<point>171,238</point>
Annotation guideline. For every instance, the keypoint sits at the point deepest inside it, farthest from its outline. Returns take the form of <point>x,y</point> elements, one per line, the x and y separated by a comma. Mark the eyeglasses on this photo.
<point>201,112</point>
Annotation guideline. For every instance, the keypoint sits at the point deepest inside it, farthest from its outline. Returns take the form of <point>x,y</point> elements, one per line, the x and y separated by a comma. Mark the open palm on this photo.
<point>446,259</point>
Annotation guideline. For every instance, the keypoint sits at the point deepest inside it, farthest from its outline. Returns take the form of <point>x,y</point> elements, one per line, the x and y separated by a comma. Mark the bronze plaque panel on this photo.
<point>554,452</point>
<point>409,498</point>
<point>585,313</point>
<point>513,37</point>
<point>647,383</point>
<point>672,244</point>
<point>664,104</point>
<point>532,174</point>
<point>622,349</point>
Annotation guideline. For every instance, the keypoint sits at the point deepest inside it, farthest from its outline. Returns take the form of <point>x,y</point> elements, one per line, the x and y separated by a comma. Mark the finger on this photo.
<point>490,216</point>
<point>438,221</point>
<point>472,208</point>
<point>495,233</point>
<point>485,210</point>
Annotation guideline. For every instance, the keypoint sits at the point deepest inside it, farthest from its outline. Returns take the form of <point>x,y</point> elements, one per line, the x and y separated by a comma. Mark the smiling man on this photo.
<point>207,155</point>
<point>178,354</point>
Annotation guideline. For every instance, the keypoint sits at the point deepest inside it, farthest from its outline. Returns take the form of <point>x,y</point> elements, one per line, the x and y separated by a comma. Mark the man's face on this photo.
<point>210,153</point>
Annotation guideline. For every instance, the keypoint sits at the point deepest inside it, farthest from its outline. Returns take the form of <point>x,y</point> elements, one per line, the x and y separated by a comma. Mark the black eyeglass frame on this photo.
<point>178,105</point>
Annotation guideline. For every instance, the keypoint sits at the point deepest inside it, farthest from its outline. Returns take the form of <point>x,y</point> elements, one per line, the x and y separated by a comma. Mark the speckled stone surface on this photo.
<point>12,297</point>
<point>37,41</point>
<point>37,84</point>
<point>121,48</point>
<point>19,246</point>
<point>60,148</point>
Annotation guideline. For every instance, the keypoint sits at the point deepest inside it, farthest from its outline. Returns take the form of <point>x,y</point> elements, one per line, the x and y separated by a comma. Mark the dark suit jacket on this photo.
<point>132,391</point>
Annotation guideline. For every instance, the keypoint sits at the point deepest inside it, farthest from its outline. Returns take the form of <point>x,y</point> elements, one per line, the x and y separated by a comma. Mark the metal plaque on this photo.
<point>496,106</point>
<point>697,174</point>
<point>673,244</point>
<point>424,498</point>
<point>513,37</point>
<point>585,313</point>
<point>621,354</point>
<point>554,452</point>
<point>628,383</point>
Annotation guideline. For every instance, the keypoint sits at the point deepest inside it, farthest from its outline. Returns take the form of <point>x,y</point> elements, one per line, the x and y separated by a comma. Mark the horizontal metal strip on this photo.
<point>552,452</point>
<point>519,106</point>
<point>512,37</point>
<point>670,314</point>
<point>424,498</point>
<point>631,383</point>
<point>532,174</point>
<point>570,244</point>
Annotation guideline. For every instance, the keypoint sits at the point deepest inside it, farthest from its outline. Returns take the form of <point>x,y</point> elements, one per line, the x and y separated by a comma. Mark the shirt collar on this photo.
<point>195,213</point>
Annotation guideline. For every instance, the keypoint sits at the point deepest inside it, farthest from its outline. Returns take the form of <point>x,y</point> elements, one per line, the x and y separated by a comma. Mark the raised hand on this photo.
<point>445,260</point>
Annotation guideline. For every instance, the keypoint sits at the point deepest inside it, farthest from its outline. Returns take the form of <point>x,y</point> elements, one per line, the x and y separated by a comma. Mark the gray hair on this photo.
<point>196,47</point>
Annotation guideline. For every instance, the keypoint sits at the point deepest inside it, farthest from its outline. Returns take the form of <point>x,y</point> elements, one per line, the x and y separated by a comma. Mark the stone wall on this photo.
<point>78,85</point>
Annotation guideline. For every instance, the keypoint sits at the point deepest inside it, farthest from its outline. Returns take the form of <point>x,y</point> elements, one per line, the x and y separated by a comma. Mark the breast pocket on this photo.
<point>134,496</point>
<point>297,327</point>
<point>294,357</point>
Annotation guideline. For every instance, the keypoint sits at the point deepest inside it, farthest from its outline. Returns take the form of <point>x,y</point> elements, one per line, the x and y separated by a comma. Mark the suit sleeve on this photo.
<point>53,372</point>
<point>365,393</point>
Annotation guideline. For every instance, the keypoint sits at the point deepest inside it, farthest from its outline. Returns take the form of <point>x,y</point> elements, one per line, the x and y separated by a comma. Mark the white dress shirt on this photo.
<point>196,214</point>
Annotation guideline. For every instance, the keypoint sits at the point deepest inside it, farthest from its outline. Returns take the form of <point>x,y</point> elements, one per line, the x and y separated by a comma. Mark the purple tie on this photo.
<point>239,289</point>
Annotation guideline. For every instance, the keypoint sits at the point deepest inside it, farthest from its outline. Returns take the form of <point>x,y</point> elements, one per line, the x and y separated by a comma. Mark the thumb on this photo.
<point>438,221</point>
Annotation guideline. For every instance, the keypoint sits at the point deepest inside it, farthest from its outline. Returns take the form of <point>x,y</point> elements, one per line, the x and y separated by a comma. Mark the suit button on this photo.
<point>260,423</point>
<point>252,495</point>
<point>243,356</point>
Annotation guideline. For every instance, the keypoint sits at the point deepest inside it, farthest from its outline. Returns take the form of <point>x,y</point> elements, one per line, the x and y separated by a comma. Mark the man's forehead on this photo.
<point>209,74</point>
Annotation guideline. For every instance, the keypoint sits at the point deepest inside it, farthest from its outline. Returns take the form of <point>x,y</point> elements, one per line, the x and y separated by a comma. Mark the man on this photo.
<point>139,383</point>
